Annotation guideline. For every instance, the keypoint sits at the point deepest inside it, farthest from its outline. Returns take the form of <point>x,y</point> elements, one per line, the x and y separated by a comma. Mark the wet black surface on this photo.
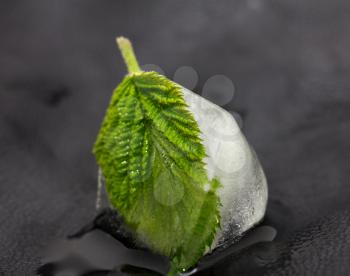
<point>103,247</point>
<point>289,61</point>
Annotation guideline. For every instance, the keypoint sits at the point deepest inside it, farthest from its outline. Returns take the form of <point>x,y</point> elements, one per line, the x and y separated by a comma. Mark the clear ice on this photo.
<point>243,194</point>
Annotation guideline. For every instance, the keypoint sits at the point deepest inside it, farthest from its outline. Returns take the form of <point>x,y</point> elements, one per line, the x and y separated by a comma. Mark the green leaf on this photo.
<point>151,155</point>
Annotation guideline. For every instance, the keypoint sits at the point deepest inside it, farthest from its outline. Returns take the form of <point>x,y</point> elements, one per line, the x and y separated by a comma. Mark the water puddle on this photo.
<point>105,248</point>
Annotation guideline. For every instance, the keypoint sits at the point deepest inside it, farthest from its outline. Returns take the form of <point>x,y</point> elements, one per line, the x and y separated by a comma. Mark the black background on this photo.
<point>289,60</point>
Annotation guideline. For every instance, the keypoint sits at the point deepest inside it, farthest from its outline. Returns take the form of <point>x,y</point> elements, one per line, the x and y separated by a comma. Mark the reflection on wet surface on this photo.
<point>95,251</point>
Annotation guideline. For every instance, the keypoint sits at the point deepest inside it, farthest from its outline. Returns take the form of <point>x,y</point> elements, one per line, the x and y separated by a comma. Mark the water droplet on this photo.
<point>219,89</point>
<point>186,76</point>
<point>152,67</point>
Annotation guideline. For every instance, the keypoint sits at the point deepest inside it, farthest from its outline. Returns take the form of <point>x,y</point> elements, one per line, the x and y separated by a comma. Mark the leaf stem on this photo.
<point>128,54</point>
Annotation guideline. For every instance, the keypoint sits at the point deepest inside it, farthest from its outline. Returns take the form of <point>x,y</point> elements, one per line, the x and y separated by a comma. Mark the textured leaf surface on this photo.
<point>151,154</point>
